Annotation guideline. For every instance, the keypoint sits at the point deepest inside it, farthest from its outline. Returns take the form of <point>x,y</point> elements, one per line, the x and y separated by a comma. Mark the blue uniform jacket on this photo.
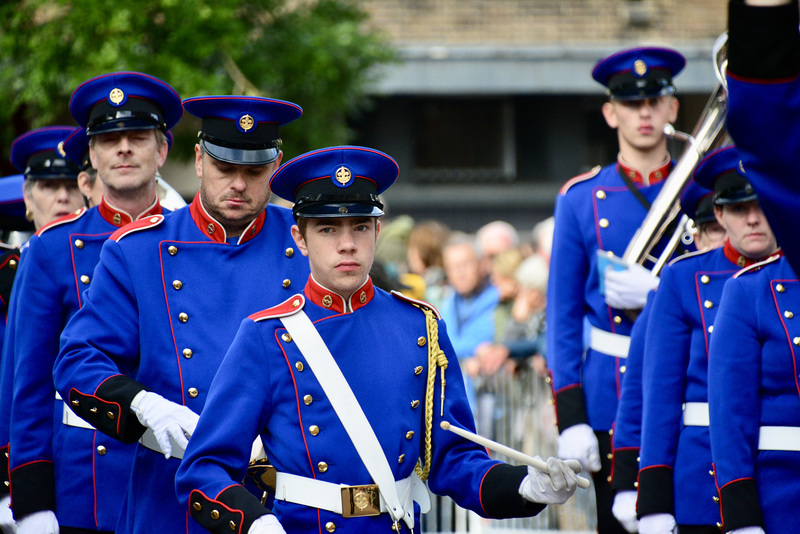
<point>76,472</point>
<point>753,365</point>
<point>627,437</point>
<point>594,211</point>
<point>675,461</point>
<point>165,303</point>
<point>764,111</point>
<point>265,387</point>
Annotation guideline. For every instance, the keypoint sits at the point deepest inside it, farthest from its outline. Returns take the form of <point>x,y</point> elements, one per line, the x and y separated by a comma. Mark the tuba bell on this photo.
<point>708,134</point>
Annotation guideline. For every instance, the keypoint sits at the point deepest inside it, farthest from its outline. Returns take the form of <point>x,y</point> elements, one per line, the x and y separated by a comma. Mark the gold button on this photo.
<point>93,409</point>
<point>414,404</point>
<point>187,353</point>
<point>154,219</point>
<point>307,400</point>
<point>101,450</point>
<point>117,218</point>
<point>12,264</point>
<point>719,525</point>
<point>286,283</point>
<point>197,506</point>
<point>289,252</point>
<point>622,368</point>
<point>322,467</point>
<point>172,250</point>
<point>111,415</point>
<point>710,328</point>
<point>779,288</point>
<point>85,279</point>
<point>548,379</point>
<point>313,430</point>
<point>611,432</point>
<point>210,228</point>
<point>295,304</point>
<point>330,527</point>
<point>608,478</point>
<point>617,319</point>
<point>741,261</point>
<point>796,341</point>
<point>232,525</point>
<point>610,456</point>
<point>214,514</point>
<point>708,304</point>
<point>79,243</point>
<point>705,279</point>
<point>715,498</point>
<point>177,284</point>
<point>551,402</point>
<point>299,366</point>
<point>286,337</point>
<point>76,402</point>
<point>601,194</point>
<point>603,223</point>
<point>712,473</point>
<point>183,317</point>
<point>327,301</point>
<point>788,314</point>
<point>409,434</point>
<point>193,392</point>
<point>657,175</point>
<point>401,459</point>
<point>363,298</point>
<point>417,370</point>
<point>421,341</point>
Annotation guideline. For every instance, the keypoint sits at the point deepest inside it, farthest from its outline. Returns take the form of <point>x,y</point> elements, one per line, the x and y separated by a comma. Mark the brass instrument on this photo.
<point>708,134</point>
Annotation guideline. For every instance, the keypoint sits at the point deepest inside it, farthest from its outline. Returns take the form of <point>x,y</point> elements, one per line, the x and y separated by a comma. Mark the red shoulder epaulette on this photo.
<point>757,266</point>
<point>288,307</point>
<point>74,216</point>
<point>142,224</point>
<point>580,178</point>
<point>420,303</point>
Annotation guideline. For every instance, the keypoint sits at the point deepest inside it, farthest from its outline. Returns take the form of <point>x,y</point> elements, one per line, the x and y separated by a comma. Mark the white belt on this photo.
<point>608,343</point>
<point>695,414</point>
<point>349,501</point>
<point>779,438</point>
<point>149,440</point>
<point>70,418</point>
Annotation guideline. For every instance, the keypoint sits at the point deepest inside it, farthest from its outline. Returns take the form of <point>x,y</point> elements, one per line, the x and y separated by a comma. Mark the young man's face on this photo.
<point>233,194</point>
<point>340,250</point>
<point>640,123</point>
<point>127,160</point>
<point>747,229</point>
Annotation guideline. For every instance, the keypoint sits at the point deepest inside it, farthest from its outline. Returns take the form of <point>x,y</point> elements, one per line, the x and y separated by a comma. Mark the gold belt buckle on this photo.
<point>361,501</point>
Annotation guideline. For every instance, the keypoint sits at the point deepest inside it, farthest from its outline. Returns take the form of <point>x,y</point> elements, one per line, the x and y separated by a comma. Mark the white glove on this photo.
<point>578,442</point>
<point>168,420</point>
<point>7,524</point>
<point>553,487</point>
<point>627,290</point>
<point>658,524</point>
<point>266,524</point>
<point>624,509</point>
<point>43,522</point>
<point>747,530</point>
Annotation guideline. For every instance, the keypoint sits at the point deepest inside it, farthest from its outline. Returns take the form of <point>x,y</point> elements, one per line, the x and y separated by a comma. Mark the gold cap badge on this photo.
<point>343,175</point>
<point>640,67</point>
<point>116,96</point>
<point>246,122</point>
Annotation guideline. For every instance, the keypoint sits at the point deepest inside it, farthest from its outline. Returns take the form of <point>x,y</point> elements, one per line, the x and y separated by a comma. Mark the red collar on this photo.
<point>741,261</point>
<point>326,298</point>
<point>120,218</point>
<point>214,229</point>
<point>654,176</point>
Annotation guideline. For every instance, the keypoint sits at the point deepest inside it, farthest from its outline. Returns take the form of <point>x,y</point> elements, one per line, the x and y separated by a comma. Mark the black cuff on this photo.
<point>500,493</point>
<point>624,469</point>
<point>5,487</point>
<point>570,408</point>
<point>656,491</point>
<point>34,487</point>
<point>233,511</point>
<point>764,42</point>
<point>740,506</point>
<point>109,409</point>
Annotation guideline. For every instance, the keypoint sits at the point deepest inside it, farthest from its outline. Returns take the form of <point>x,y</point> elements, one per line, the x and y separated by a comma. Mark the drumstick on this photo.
<point>502,449</point>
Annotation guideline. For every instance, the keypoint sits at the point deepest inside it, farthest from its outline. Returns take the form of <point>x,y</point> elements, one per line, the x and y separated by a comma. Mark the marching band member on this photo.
<point>346,385</point>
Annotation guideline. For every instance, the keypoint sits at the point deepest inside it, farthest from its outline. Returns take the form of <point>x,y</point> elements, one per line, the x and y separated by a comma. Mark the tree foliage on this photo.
<point>319,54</point>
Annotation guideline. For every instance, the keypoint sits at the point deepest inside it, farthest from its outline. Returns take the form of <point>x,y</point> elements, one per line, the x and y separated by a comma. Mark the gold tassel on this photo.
<point>436,358</point>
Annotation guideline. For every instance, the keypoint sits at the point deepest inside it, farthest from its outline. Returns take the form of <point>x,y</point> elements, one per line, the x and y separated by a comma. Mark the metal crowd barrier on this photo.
<point>514,407</point>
